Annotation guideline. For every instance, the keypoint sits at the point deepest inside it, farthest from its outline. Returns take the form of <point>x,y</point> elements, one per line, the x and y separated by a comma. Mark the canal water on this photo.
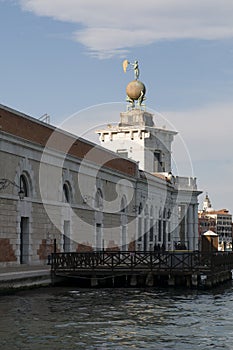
<point>122,319</point>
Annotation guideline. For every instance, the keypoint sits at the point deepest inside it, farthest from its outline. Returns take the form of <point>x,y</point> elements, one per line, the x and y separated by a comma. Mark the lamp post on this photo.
<point>4,183</point>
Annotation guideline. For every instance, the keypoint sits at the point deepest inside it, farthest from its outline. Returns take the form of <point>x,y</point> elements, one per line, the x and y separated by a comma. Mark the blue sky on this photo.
<point>60,57</point>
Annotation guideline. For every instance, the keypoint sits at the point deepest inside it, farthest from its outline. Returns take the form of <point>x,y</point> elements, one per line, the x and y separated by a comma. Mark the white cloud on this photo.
<point>110,27</point>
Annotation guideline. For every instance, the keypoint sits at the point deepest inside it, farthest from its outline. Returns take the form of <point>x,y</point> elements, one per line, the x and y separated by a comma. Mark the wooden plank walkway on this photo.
<point>168,263</point>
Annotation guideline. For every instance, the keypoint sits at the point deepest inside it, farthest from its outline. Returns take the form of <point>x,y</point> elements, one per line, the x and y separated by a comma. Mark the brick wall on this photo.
<point>7,253</point>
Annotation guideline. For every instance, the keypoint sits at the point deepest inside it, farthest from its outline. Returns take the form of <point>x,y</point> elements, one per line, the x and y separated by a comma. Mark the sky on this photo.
<point>64,58</point>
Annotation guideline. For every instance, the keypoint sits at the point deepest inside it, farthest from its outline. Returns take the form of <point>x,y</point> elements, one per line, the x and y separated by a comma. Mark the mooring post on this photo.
<point>150,279</point>
<point>94,281</point>
<point>133,281</point>
<point>194,280</point>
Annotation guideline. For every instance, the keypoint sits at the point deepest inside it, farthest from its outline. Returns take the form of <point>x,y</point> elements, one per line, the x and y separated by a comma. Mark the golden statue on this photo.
<point>135,67</point>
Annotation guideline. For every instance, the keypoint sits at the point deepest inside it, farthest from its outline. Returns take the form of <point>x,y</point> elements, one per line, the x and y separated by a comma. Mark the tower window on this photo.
<point>157,161</point>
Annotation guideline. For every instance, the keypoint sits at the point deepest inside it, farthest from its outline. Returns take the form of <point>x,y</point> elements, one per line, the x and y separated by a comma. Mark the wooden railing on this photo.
<point>179,261</point>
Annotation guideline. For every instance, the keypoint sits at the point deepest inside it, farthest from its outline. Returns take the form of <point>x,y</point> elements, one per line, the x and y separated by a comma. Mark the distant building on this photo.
<point>218,221</point>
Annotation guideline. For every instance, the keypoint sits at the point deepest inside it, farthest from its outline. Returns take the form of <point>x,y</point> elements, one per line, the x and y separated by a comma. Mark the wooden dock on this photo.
<point>140,268</point>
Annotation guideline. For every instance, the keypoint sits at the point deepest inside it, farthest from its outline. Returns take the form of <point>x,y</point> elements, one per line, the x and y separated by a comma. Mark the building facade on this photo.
<point>59,191</point>
<point>83,196</point>
<point>136,137</point>
<point>218,221</point>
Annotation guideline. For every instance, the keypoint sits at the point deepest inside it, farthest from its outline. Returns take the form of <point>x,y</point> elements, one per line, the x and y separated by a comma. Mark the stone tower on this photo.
<point>207,204</point>
<point>136,136</point>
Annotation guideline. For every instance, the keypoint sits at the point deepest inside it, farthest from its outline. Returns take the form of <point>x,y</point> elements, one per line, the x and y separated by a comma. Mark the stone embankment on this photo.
<point>24,276</point>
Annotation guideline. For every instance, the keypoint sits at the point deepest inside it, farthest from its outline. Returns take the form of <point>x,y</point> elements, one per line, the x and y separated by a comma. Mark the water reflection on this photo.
<point>71,318</point>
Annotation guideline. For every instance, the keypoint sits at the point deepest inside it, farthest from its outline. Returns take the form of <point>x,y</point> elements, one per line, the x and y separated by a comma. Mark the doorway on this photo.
<point>66,236</point>
<point>24,240</point>
<point>98,237</point>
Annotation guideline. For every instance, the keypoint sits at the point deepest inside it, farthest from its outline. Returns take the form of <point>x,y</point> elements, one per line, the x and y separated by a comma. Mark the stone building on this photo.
<point>61,191</point>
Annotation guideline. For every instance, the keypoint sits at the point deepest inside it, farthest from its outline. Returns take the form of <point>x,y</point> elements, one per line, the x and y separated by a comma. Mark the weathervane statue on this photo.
<point>135,89</point>
<point>135,67</point>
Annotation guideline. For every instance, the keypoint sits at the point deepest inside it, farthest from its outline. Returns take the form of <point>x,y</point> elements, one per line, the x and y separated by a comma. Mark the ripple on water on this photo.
<point>65,318</point>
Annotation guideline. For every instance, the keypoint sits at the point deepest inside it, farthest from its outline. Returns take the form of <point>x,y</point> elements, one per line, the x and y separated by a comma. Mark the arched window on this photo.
<point>164,213</point>
<point>140,233</point>
<point>151,211</point>
<point>160,213</point>
<point>146,228</point>
<point>152,228</point>
<point>24,185</point>
<point>99,199</point>
<point>160,226</point>
<point>123,205</point>
<point>99,239</point>
<point>124,222</point>
<point>140,208</point>
<point>66,192</point>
